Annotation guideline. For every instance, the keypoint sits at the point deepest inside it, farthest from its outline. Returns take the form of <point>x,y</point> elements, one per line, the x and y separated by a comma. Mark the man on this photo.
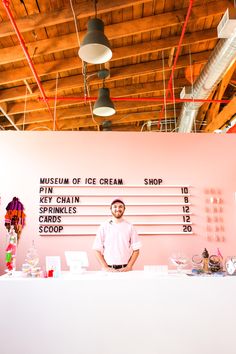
<point>117,244</point>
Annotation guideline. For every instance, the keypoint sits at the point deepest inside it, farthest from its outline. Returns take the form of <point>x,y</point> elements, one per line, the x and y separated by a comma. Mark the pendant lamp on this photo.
<point>95,47</point>
<point>104,106</point>
<point>107,125</point>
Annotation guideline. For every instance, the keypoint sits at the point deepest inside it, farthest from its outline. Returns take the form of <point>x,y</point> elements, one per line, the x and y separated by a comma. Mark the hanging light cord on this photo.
<point>55,105</point>
<point>192,86</point>
<point>164,85</point>
<point>84,73</point>
<point>95,8</point>
<point>84,65</point>
<point>153,6</point>
<point>91,109</point>
<point>75,21</point>
<point>26,93</point>
<point>173,87</point>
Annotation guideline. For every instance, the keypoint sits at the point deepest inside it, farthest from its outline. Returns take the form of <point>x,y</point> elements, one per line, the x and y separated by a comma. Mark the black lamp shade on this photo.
<point>95,47</point>
<point>104,106</point>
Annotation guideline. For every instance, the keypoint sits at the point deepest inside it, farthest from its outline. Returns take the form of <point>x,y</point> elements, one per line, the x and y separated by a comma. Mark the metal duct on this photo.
<point>221,59</point>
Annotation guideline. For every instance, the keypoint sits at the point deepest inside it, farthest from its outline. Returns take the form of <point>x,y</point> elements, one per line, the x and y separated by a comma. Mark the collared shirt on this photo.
<point>116,241</point>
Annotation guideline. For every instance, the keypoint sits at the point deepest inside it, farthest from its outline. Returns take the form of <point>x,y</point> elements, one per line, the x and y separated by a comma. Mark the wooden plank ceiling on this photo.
<point>144,36</point>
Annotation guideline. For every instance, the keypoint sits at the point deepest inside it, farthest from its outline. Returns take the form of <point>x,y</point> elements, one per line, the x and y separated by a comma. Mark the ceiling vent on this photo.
<point>228,24</point>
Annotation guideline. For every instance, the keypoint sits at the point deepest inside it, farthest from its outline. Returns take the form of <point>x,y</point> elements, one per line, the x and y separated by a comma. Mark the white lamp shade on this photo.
<point>95,47</point>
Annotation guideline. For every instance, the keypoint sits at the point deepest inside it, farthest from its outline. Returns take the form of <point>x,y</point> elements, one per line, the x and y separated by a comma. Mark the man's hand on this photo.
<point>109,269</point>
<point>128,268</point>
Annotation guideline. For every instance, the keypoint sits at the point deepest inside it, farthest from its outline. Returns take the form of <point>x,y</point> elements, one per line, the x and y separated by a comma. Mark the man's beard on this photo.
<point>118,215</point>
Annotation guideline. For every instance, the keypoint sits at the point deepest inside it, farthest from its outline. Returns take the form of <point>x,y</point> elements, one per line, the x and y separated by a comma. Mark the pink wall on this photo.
<point>206,162</point>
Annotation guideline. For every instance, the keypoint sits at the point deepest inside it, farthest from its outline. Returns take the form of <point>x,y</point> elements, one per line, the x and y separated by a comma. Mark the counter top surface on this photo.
<point>18,275</point>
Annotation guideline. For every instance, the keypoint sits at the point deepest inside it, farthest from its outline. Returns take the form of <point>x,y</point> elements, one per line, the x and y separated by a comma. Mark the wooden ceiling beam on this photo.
<point>51,67</point>
<point>223,117</point>
<point>127,127</point>
<point>76,81</point>
<point>41,20</point>
<point>171,56</point>
<point>69,41</point>
<point>82,111</point>
<point>163,44</point>
<point>82,10</point>
<point>57,66</point>
<point>75,123</point>
<point>68,84</point>
<point>155,87</point>
<point>124,128</point>
<point>117,119</point>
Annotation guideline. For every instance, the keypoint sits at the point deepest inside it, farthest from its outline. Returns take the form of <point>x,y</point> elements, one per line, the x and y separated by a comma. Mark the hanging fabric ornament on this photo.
<point>14,222</point>
<point>15,216</point>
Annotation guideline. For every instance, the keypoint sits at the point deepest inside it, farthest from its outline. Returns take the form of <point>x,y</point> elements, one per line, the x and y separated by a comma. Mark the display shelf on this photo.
<point>134,223</point>
<point>108,204</point>
<point>116,186</point>
<point>153,233</point>
<point>160,208</point>
<point>126,214</point>
<point>113,195</point>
